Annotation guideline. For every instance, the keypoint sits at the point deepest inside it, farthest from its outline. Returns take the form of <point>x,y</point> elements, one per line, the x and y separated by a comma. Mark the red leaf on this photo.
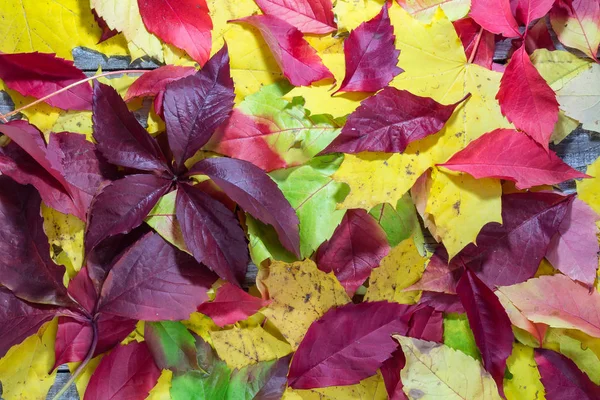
<point>489,322</point>
<point>426,323</point>
<point>348,351</point>
<point>298,61</point>
<point>107,33</point>
<point>82,290</point>
<point>371,56</point>
<point>128,372</point>
<point>519,159</point>
<point>442,302</point>
<point>256,193</point>
<point>538,37</point>
<point>154,83</point>
<point>356,247</point>
<point>212,233</point>
<point>195,106</point>
<point>153,281</point>
<point>574,20</point>
<point>19,319</point>
<point>122,206</point>
<point>185,24</point>
<point>231,305</point>
<point>527,100</point>
<point>390,370</point>
<point>25,265</point>
<point>439,276</point>
<point>495,16</point>
<point>390,121</point>
<point>562,379</point>
<point>475,38</point>
<point>309,16</point>
<point>121,139</point>
<point>529,10</point>
<point>39,74</point>
<point>574,249</point>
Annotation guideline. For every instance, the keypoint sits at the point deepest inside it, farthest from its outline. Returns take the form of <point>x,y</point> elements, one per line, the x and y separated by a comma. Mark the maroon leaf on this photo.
<point>426,323</point>
<point>25,265</point>
<point>122,206</point>
<point>185,24</point>
<point>495,16</point>
<point>256,193</point>
<point>39,74</point>
<point>489,322</point>
<point>475,38</point>
<point>128,372</point>
<point>231,304</point>
<point>390,121</point>
<point>442,302</point>
<point>562,379</point>
<point>439,275</point>
<point>390,370</point>
<point>529,10</point>
<point>153,281</point>
<point>357,246</point>
<point>121,138</point>
<point>195,106</point>
<point>519,159</point>
<point>371,56</point>
<point>298,61</point>
<point>309,16</point>
<point>212,233</point>
<point>82,290</point>
<point>527,100</point>
<point>276,382</point>
<point>107,33</point>
<point>348,351</point>
<point>538,37</point>
<point>19,319</point>
<point>154,83</point>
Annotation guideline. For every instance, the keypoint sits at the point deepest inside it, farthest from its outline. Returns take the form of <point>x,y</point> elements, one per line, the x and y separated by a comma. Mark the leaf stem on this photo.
<point>84,363</point>
<point>72,85</point>
<point>476,47</point>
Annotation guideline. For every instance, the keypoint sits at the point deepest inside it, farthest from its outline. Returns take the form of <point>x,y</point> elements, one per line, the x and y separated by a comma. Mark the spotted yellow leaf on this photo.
<point>372,388</point>
<point>524,382</point>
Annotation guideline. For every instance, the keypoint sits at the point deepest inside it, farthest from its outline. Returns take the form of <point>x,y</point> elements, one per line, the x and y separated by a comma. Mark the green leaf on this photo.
<point>197,385</point>
<point>398,223</point>
<point>264,377</point>
<point>264,243</point>
<point>172,345</point>
<point>459,336</point>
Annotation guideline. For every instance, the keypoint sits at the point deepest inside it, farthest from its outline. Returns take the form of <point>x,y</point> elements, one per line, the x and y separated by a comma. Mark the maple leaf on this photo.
<point>309,16</point>
<point>576,24</point>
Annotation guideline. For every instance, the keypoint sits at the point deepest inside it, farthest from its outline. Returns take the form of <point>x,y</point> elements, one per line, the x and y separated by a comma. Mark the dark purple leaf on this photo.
<point>212,233</point>
<point>121,138</point>
<point>122,206</point>
<point>426,323</point>
<point>256,193</point>
<point>276,382</point>
<point>196,105</point>
<point>442,302</point>
<point>390,370</point>
<point>154,281</point>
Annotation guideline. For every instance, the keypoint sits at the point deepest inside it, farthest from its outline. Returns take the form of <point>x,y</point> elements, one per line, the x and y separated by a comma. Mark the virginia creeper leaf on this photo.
<point>426,323</point>
<point>439,276</point>
<point>443,302</point>
<point>577,24</point>
<point>371,57</point>
<point>297,60</point>
<point>172,345</point>
<point>528,11</point>
<point>520,159</point>
<point>196,105</point>
<point>39,74</point>
<point>309,16</point>
<point>185,24</point>
<point>231,304</point>
<point>262,381</point>
<point>562,379</point>
<point>495,16</point>
<point>154,281</point>
<point>212,233</point>
<point>469,31</point>
<point>357,246</point>
<point>390,370</point>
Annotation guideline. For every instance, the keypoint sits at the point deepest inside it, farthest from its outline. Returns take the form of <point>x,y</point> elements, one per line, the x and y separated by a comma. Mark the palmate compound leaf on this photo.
<point>577,24</point>
<point>39,74</point>
<point>437,371</point>
<point>469,33</point>
<point>127,372</point>
<point>184,24</point>
<point>230,305</point>
<point>558,302</point>
<point>370,56</point>
<point>298,61</point>
<point>348,352</point>
<point>309,16</point>
<point>431,69</point>
<point>528,11</point>
<point>520,159</point>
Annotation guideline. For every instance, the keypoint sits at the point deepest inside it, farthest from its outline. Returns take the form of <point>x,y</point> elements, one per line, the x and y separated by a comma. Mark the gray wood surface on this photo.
<point>579,149</point>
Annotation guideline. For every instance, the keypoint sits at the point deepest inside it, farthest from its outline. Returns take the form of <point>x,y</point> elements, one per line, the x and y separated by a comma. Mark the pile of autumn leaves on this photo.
<point>167,223</point>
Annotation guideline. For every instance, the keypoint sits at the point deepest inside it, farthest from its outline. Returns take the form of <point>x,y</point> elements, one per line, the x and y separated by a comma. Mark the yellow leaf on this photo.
<point>583,349</point>
<point>76,122</point>
<point>137,334</point>
<point>300,294</point>
<point>435,371</point>
<point>423,10</point>
<point>402,267</point>
<point>162,389</point>
<point>461,205</point>
<point>351,13</point>
<point>564,126</point>
<point>41,115</point>
<point>589,189</point>
<point>580,98</point>
<point>24,369</point>
<point>53,26</point>
<point>84,378</point>
<point>372,388</point>
<point>239,347</point>
<point>223,11</point>
<point>525,382</point>
<point>201,325</point>
<point>124,16</point>
<point>65,235</point>
<point>119,83</point>
<point>558,67</point>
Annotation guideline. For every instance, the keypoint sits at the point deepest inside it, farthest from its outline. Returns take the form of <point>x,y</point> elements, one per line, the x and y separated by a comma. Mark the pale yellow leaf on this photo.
<point>525,382</point>
<point>351,13</point>
<point>300,294</point>
<point>423,10</point>
<point>402,267</point>
<point>580,98</point>
<point>372,388</point>
<point>589,189</point>
<point>65,235</point>
<point>558,67</point>
<point>564,126</point>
